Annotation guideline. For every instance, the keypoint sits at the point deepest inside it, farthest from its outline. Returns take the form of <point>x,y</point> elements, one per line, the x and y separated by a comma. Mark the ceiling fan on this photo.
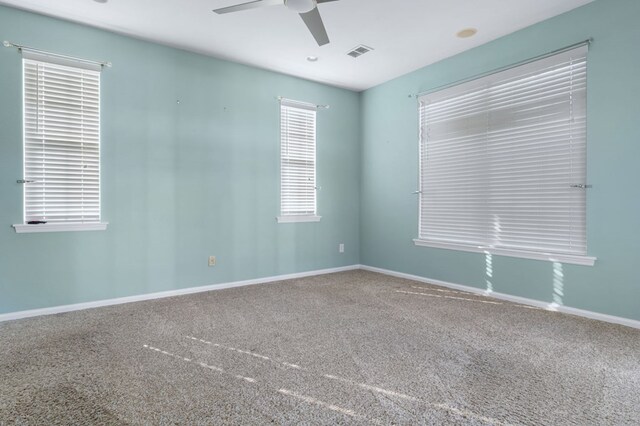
<point>307,9</point>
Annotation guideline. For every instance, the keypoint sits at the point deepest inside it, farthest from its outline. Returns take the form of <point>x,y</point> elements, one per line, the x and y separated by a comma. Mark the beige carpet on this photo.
<point>348,348</point>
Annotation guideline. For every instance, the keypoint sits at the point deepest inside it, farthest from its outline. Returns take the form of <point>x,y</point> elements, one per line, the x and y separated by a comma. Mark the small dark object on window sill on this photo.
<point>36,222</point>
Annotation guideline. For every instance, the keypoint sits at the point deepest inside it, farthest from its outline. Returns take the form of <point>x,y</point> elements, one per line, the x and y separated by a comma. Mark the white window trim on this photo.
<point>524,254</point>
<point>306,217</point>
<point>298,218</point>
<point>26,228</point>
<point>59,227</point>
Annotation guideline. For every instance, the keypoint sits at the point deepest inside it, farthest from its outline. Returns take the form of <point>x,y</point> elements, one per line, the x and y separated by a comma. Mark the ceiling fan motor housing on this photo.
<point>301,6</point>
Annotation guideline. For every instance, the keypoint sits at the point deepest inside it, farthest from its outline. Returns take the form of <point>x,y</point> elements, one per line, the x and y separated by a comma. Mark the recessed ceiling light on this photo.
<point>467,32</point>
<point>312,58</point>
<point>101,1</point>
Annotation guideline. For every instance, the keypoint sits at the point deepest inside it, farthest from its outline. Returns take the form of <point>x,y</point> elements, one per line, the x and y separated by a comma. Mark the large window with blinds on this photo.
<point>503,162</point>
<point>298,190</point>
<point>61,145</point>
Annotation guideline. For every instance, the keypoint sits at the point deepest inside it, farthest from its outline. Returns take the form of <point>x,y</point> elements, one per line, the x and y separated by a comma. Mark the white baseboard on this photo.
<point>522,300</point>
<point>170,293</point>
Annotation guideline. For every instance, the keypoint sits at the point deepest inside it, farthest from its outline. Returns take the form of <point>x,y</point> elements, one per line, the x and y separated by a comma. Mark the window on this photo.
<point>503,162</point>
<point>298,202</point>
<point>61,145</point>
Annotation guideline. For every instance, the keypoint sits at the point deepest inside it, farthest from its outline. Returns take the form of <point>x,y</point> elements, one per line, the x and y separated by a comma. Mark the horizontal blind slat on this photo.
<point>499,155</point>
<point>297,174</point>
<point>62,143</point>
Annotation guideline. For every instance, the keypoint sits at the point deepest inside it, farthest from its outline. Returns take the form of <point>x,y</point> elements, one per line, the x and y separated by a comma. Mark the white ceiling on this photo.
<point>406,34</point>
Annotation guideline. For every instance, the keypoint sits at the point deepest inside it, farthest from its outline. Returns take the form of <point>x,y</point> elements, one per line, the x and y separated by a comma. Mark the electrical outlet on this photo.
<point>212,261</point>
<point>341,248</point>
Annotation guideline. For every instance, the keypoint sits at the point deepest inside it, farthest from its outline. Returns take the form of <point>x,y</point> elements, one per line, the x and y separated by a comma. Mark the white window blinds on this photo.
<point>503,159</point>
<point>61,142</point>
<point>298,159</point>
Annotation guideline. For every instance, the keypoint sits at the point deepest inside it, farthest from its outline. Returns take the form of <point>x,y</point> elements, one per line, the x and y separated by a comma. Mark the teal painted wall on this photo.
<point>185,181</point>
<point>180,181</point>
<point>390,166</point>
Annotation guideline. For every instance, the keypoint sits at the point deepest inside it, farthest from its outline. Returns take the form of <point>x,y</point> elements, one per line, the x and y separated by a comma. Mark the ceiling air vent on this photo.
<point>359,51</point>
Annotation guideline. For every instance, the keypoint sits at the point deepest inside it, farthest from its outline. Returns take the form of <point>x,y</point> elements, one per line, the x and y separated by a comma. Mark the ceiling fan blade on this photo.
<point>249,5</point>
<point>314,22</point>
<point>324,1</point>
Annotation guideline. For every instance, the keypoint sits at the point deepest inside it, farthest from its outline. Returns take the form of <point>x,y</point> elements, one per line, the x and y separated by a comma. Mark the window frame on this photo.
<point>488,249</point>
<point>285,217</point>
<point>85,66</point>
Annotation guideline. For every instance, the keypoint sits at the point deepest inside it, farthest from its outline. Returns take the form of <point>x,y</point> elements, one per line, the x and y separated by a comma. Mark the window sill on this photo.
<point>59,227</point>
<point>300,218</point>
<point>551,257</point>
